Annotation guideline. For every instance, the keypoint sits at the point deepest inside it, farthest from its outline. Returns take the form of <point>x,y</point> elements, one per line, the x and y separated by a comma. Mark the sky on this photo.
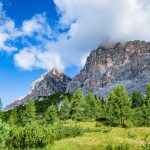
<point>39,35</point>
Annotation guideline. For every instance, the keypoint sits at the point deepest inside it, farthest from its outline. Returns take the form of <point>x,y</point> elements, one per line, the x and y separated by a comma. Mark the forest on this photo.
<point>49,121</point>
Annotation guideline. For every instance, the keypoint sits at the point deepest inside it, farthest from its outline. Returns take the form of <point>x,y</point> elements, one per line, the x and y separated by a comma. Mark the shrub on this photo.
<point>132,135</point>
<point>102,129</point>
<point>145,147</point>
<point>31,136</point>
<point>98,124</point>
<point>67,131</point>
<point>122,146</point>
<point>128,124</point>
<point>4,134</point>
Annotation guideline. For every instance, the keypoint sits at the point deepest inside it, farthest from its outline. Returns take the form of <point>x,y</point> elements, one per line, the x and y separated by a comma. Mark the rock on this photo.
<point>48,84</point>
<point>107,66</point>
<point>124,63</point>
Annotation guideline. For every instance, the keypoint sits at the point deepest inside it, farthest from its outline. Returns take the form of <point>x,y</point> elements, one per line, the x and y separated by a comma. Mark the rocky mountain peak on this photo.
<point>107,66</point>
<point>123,63</point>
<point>49,83</point>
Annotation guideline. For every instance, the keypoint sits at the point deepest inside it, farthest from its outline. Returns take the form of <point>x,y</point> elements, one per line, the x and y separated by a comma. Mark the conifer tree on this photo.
<point>4,134</point>
<point>29,114</point>
<point>65,109</point>
<point>51,114</point>
<point>147,99</point>
<point>77,105</point>
<point>12,120</point>
<point>1,106</point>
<point>91,106</point>
<point>119,106</point>
<point>137,99</point>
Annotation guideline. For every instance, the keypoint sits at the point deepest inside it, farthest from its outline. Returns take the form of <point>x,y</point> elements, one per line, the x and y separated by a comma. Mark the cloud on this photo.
<point>89,23</point>
<point>31,57</point>
<point>7,31</point>
<point>37,24</point>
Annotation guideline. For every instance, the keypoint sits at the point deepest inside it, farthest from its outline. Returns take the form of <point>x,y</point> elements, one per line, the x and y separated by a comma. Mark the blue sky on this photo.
<point>39,35</point>
<point>15,81</point>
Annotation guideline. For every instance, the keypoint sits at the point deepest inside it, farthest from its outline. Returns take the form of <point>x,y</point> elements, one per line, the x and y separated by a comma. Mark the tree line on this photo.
<point>38,123</point>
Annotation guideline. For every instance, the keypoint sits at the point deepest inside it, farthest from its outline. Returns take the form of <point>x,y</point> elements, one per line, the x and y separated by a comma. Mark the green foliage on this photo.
<point>77,106</point>
<point>51,114</point>
<point>137,99</point>
<point>12,120</point>
<point>67,131</point>
<point>118,106</point>
<point>145,146</point>
<point>65,109</point>
<point>101,129</point>
<point>98,124</point>
<point>122,146</point>
<point>29,114</point>
<point>1,104</point>
<point>45,101</point>
<point>91,106</point>
<point>30,136</point>
<point>147,99</point>
<point>132,134</point>
<point>4,134</point>
<point>146,115</point>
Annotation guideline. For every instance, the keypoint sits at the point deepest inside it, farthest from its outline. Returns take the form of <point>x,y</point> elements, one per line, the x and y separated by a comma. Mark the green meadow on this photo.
<point>95,138</point>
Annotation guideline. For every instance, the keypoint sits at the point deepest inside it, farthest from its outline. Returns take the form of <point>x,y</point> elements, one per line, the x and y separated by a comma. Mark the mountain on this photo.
<point>48,84</point>
<point>124,63</point>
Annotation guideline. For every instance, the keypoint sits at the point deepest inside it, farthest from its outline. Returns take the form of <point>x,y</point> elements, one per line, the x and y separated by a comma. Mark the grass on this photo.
<point>97,140</point>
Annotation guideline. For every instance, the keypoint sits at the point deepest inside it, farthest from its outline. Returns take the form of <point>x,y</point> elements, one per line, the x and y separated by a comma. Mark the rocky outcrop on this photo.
<point>124,63</point>
<point>48,84</point>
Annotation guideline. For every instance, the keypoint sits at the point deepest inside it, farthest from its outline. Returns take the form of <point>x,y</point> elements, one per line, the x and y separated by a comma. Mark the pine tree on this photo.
<point>77,106</point>
<point>65,109</point>
<point>118,107</point>
<point>1,105</point>
<point>4,134</point>
<point>29,114</point>
<point>137,99</point>
<point>147,99</point>
<point>12,120</point>
<point>51,114</point>
<point>91,106</point>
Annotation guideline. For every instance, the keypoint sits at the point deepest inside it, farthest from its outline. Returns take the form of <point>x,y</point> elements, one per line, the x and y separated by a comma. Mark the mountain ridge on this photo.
<point>121,63</point>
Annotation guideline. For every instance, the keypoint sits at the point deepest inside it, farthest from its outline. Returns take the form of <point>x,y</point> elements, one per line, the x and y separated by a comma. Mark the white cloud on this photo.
<point>91,23</point>
<point>36,24</point>
<point>31,57</point>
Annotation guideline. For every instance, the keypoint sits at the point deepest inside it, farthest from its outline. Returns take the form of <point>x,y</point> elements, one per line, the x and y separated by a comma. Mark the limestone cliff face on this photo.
<point>48,84</point>
<point>124,63</point>
<point>127,64</point>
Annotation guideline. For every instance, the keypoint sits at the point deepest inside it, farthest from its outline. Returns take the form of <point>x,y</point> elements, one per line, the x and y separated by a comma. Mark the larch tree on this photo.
<point>118,106</point>
<point>77,105</point>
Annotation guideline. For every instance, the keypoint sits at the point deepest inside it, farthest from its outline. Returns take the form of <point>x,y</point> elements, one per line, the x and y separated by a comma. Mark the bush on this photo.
<point>98,124</point>
<point>132,135</point>
<point>128,124</point>
<point>67,131</point>
<point>121,146</point>
<point>145,147</point>
<point>102,129</point>
<point>31,136</point>
<point>4,134</point>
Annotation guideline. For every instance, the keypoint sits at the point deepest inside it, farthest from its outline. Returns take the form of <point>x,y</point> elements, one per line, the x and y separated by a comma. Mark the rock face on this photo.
<point>127,64</point>
<point>124,63</point>
<point>48,84</point>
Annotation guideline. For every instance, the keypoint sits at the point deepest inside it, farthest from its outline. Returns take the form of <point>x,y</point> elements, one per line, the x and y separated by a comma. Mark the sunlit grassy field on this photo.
<point>94,139</point>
